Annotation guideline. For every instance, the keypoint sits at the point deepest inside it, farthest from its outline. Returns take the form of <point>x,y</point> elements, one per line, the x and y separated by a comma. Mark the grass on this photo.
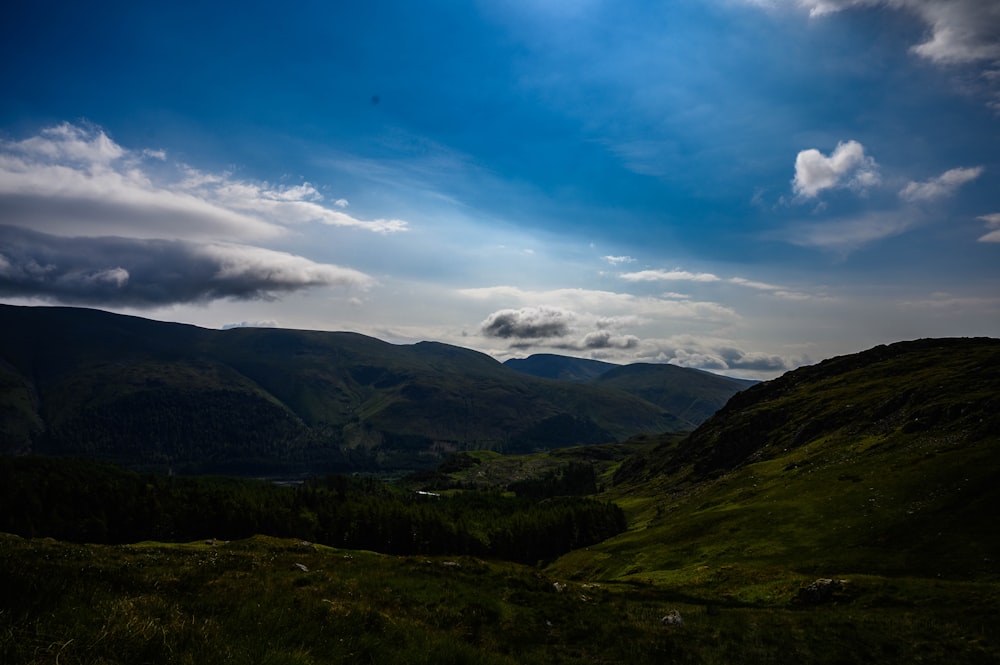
<point>267,600</point>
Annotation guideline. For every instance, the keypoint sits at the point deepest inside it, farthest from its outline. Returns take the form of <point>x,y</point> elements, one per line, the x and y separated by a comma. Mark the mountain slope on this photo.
<point>690,394</point>
<point>878,463</point>
<point>75,381</point>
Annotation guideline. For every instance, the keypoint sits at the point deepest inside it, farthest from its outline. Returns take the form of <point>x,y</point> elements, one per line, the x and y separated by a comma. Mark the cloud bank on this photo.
<point>150,273</point>
<point>85,220</point>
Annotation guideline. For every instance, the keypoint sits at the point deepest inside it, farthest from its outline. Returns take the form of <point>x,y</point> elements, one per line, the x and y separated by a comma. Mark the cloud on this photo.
<point>154,272</point>
<point>992,222</point>
<point>86,220</point>
<point>705,277</point>
<point>668,275</point>
<point>719,355</point>
<point>617,260</point>
<point>528,323</point>
<point>251,324</point>
<point>847,166</point>
<point>940,187</point>
<point>75,180</point>
<point>850,233</point>
<point>961,31</point>
<point>593,306</point>
<point>605,339</point>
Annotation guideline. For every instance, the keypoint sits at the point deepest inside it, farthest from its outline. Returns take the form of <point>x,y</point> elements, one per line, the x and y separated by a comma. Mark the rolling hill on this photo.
<point>146,393</point>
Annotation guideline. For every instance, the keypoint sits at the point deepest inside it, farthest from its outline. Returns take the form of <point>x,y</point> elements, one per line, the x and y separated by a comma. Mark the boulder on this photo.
<point>823,590</point>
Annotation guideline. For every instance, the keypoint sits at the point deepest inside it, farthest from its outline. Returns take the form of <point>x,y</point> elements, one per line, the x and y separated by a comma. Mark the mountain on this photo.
<point>690,394</point>
<point>879,463</point>
<point>140,392</point>
<point>564,368</point>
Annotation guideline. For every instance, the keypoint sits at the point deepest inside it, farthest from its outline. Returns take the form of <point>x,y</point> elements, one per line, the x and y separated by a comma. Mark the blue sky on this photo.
<point>742,186</point>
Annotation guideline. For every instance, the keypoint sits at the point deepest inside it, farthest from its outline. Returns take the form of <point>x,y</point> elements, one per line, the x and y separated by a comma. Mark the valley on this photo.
<point>843,512</point>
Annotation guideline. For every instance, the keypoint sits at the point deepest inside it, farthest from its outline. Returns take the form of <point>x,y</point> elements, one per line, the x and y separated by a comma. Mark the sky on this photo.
<point>740,186</point>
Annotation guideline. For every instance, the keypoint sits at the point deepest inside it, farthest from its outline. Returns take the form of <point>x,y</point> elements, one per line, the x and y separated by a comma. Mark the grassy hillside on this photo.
<point>141,392</point>
<point>873,467</point>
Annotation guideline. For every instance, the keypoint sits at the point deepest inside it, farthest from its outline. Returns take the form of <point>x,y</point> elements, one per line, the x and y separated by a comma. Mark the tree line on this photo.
<point>88,501</point>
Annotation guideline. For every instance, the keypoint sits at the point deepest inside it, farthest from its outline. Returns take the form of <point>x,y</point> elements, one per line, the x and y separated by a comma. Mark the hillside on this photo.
<point>878,464</point>
<point>146,393</point>
<point>690,394</point>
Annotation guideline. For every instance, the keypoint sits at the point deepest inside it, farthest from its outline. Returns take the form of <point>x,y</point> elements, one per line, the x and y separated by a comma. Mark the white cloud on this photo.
<point>847,166</point>
<point>669,275</point>
<point>618,260</point>
<point>992,222</point>
<point>74,180</point>
<point>939,187</point>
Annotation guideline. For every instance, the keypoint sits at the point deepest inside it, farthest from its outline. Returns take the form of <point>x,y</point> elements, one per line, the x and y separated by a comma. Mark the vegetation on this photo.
<point>690,395</point>
<point>87,501</point>
<point>842,513</point>
<point>265,600</point>
<point>879,468</point>
<point>146,394</point>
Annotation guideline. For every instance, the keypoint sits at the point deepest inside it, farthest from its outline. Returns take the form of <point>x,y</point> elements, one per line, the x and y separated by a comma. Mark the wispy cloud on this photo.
<point>992,222</point>
<point>592,306</point>
<point>961,31</point>
<point>847,234</point>
<point>847,166</point>
<point>678,275</point>
<point>669,275</point>
<point>618,260</point>
<point>939,187</point>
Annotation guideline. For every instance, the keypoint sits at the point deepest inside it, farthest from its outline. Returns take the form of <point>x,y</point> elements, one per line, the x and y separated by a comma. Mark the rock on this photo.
<point>559,587</point>
<point>672,618</point>
<point>820,591</point>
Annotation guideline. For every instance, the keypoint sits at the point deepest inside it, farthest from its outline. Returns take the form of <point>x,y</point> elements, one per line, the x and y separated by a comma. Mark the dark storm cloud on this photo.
<point>150,273</point>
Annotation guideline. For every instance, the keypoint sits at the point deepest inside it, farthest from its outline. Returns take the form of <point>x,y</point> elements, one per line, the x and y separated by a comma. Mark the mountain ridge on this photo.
<point>142,392</point>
